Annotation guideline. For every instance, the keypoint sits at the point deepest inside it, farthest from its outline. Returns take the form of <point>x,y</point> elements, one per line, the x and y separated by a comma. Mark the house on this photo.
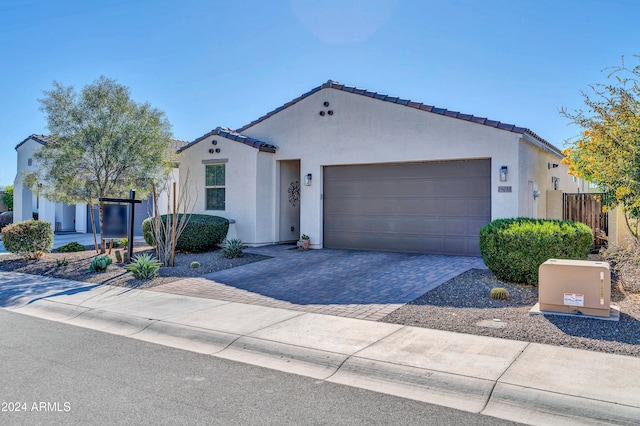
<point>64,217</point>
<point>356,169</point>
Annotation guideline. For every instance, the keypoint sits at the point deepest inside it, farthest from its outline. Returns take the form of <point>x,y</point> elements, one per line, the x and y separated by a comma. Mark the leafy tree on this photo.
<point>105,145</point>
<point>7,197</point>
<point>608,150</point>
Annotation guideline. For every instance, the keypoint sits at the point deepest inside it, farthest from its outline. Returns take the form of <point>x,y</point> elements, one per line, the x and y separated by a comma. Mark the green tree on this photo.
<point>7,197</point>
<point>607,152</point>
<point>105,145</point>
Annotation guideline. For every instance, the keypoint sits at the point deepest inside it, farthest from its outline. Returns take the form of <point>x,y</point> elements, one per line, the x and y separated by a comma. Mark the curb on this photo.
<point>492,397</point>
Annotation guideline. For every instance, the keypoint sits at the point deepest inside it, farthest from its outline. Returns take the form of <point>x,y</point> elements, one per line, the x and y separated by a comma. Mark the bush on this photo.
<point>514,249</point>
<point>30,239</point>
<point>71,247</point>
<point>6,218</point>
<point>100,263</point>
<point>234,248</point>
<point>625,261</point>
<point>144,266</point>
<point>202,232</point>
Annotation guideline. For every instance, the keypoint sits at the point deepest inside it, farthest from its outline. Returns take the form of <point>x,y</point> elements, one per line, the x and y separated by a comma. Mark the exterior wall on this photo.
<point>242,172</point>
<point>23,204</point>
<point>364,130</point>
<point>618,231</point>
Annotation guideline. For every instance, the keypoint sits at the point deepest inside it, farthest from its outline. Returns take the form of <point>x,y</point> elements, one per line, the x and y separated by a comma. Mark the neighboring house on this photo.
<point>356,169</point>
<point>64,217</point>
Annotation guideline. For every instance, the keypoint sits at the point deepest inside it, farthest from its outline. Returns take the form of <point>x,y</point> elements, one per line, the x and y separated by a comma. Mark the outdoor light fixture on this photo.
<point>552,165</point>
<point>503,173</point>
<point>307,179</point>
<point>536,194</point>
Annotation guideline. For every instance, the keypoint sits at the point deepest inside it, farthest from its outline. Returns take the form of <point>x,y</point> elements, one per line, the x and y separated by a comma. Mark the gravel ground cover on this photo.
<point>462,305</point>
<point>78,267</point>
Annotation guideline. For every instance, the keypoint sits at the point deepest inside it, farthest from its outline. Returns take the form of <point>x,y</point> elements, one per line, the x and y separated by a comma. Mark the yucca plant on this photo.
<point>234,248</point>
<point>144,266</point>
<point>100,264</point>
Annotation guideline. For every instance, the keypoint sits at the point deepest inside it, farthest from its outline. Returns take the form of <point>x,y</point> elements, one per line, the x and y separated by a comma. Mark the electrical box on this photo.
<point>575,287</point>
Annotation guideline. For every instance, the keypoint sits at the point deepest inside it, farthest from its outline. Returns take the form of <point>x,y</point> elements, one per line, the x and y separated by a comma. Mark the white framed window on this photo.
<point>215,196</point>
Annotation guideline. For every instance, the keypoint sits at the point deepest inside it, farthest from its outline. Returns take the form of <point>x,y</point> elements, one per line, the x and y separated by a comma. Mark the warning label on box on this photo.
<point>573,299</point>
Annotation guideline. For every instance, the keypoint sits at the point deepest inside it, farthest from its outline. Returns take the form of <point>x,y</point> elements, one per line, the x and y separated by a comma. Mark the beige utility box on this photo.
<point>575,287</point>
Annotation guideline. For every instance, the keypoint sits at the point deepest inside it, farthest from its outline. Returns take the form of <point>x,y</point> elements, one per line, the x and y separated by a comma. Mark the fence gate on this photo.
<point>587,208</point>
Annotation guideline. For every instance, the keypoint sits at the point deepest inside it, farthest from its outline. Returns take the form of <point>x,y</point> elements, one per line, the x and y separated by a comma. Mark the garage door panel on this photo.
<point>418,207</point>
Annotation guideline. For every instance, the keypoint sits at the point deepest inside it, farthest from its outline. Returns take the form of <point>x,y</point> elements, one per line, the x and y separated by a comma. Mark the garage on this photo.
<point>429,207</point>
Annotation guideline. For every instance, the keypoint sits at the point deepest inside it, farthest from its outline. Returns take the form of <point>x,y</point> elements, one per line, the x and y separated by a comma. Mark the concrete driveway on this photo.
<point>355,284</point>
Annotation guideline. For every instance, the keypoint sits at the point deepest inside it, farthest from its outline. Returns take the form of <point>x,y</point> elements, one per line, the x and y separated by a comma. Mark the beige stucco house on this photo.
<point>357,169</point>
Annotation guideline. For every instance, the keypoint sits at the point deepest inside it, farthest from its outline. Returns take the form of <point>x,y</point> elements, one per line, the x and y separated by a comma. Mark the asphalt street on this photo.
<point>53,373</point>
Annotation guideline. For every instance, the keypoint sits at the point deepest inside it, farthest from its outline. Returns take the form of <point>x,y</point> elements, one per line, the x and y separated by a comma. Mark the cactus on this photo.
<point>194,265</point>
<point>100,264</point>
<point>119,256</point>
<point>499,293</point>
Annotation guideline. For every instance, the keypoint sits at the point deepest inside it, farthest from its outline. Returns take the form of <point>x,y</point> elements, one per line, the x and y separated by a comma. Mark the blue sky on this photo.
<point>211,63</point>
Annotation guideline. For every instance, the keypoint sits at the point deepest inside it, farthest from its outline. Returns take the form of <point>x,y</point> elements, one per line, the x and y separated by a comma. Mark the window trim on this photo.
<point>207,187</point>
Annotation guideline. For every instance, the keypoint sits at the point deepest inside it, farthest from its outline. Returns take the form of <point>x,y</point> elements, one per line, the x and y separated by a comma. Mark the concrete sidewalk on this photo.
<point>520,381</point>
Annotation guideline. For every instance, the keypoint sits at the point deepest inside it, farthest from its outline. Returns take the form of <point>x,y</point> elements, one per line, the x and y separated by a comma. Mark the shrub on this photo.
<point>6,218</point>
<point>62,262</point>
<point>202,232</point>
<point>144,266</point>
<point>233,249</point>
<point>194,265</point>
<point>514,249</point>
<point>30,239</point>
<point>100,263</point>
<point>71,247</point>
<point>625,261</point>
<point>499,293</point>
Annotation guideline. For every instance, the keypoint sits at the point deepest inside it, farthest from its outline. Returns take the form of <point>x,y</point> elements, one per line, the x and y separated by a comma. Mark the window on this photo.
<point>215,186</point>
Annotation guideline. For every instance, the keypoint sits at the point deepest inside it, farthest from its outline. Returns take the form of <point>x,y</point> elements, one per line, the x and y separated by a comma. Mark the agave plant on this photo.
<point>100,264</point>
<point>144,266</point>
<point>234,248</point>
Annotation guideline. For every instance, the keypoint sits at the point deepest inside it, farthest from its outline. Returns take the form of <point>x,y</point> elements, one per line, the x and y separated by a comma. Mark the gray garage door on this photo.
<point>434,207</point>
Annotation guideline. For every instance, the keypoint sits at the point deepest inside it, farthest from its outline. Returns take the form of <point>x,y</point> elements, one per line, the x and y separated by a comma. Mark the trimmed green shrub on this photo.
<point>234,248</point>
<point>30,239</point>
<point>71,247</point>
<point>6,218</point>
<point>144,266</point>
<point>100,263</point>
<point>514,249</point>
<point>202,232</point>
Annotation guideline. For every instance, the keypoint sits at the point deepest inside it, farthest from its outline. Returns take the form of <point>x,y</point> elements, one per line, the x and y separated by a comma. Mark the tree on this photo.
<point>104,145</point>
<point>607,152</point>
<point>7,197</point>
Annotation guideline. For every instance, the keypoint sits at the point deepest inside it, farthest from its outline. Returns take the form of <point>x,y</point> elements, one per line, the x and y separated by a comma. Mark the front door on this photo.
<point>289,200</point>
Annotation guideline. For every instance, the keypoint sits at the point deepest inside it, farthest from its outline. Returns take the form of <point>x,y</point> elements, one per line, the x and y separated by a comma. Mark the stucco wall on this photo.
<point>241,177</point>
<point>23,205</point>
<point>364,130</point>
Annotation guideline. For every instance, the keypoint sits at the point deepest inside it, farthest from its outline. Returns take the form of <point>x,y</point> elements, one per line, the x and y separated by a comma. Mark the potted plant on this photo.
<point>304,242</point>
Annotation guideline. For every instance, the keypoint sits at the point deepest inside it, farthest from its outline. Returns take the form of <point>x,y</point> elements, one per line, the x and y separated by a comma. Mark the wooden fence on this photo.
<point>587,208</point>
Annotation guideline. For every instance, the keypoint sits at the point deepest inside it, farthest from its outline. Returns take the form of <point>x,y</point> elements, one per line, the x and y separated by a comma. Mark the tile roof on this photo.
<point>42,139</point>
<point>176,144</point>
<point>235,136</point>
<point>330,84</point>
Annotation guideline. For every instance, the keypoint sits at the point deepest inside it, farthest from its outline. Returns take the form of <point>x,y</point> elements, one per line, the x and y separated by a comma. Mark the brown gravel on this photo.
<point>461,303</point>
<point>116,275</point>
